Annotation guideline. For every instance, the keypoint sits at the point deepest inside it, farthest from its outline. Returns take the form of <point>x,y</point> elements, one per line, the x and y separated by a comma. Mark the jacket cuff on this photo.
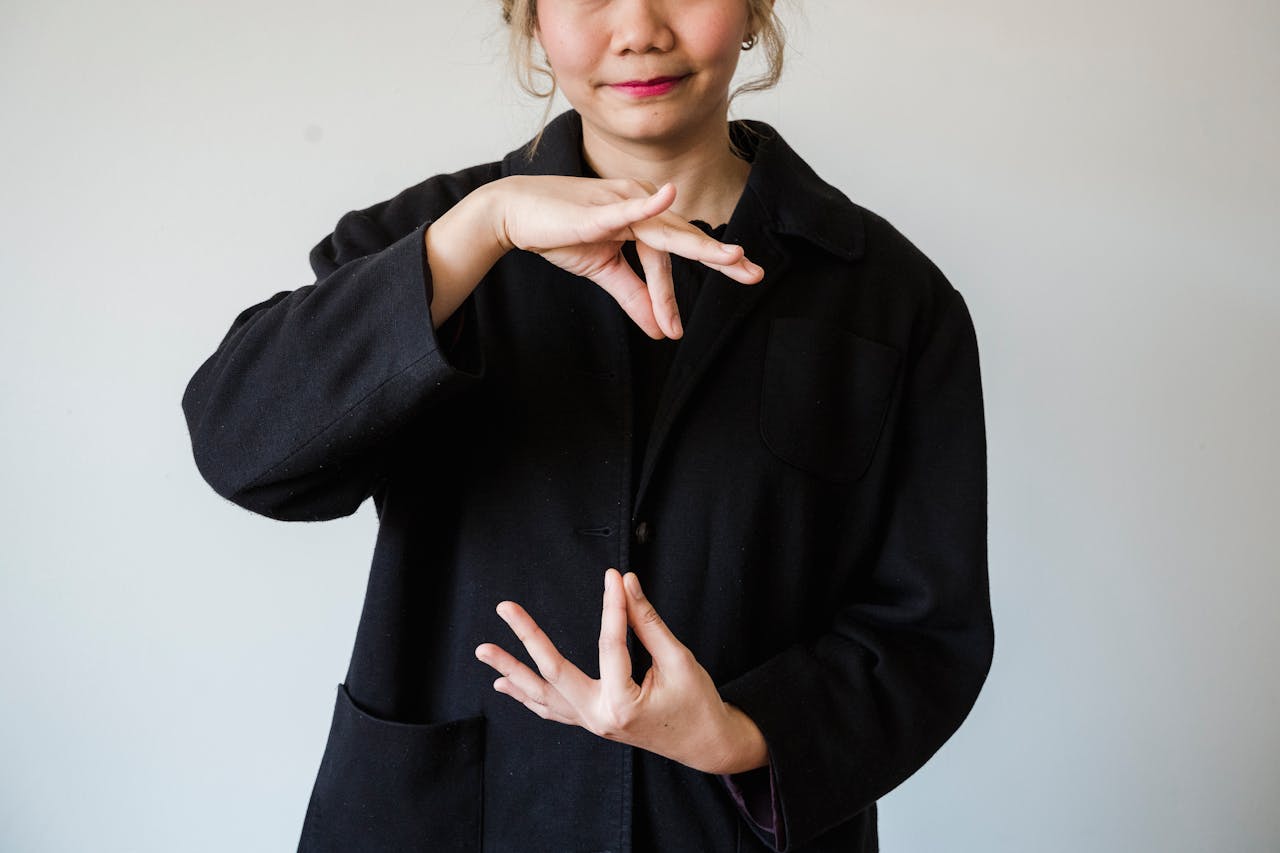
<point>756,796</point>
<point>457,340</point>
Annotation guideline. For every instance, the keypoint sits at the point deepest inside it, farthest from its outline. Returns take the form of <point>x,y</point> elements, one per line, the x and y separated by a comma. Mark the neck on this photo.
<point>709,178</point>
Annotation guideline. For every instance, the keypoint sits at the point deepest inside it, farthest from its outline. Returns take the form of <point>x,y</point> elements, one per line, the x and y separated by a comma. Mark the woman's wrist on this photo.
<point>747,748</point>
<point>488,206</point>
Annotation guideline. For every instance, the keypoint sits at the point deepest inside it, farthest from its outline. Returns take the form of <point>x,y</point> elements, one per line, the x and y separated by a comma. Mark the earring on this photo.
<point>750,42</point>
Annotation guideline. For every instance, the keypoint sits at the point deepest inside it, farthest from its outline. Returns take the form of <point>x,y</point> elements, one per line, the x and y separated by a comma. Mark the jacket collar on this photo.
<point>791,198</point>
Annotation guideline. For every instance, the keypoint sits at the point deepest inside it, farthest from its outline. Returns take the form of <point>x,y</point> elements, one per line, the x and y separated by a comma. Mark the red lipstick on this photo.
<point>647,88</point>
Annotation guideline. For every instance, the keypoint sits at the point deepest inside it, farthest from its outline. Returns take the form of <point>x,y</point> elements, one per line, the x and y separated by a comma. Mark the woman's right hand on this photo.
<point>581,224</point>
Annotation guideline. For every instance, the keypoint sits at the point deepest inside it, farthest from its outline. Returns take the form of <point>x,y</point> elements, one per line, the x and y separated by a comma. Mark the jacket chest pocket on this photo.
<point>386,785</point>
<point>824,397</point>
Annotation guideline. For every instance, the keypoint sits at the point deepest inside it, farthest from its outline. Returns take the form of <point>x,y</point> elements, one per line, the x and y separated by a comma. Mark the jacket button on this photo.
<point>642,532</point>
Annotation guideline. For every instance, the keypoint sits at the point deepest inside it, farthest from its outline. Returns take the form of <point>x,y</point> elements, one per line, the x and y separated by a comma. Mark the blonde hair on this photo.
<point>521,17</point>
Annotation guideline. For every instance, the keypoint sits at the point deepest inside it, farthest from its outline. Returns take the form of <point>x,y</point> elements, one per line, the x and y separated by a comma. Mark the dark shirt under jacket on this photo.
<point>651,359</point>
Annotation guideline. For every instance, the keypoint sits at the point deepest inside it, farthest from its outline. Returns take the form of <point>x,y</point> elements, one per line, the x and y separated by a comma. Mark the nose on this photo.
<point>640,26</point>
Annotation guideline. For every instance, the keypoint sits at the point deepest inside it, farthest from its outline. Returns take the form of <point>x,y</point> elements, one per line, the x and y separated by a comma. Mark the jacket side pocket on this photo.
<point>824,397</point>
<point>385,785</point>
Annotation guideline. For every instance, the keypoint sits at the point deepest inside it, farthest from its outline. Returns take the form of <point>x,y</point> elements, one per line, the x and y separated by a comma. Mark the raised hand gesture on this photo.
<point>675,712</point>
<point>581,224</point>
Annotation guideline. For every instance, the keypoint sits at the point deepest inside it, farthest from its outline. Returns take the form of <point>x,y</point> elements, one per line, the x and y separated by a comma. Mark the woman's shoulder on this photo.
<point>810,209</point>
<point>428,199</point>
<point>369,229</point>
<point>889,250</point>
<point>804,203</point>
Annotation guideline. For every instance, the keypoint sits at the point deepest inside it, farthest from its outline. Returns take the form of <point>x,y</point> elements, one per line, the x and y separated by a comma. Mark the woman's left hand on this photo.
<point>676,712</point>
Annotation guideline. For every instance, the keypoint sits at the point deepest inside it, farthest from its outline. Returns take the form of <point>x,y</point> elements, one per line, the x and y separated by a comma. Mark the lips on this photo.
<point>654,82</point>
<point>648,88</point>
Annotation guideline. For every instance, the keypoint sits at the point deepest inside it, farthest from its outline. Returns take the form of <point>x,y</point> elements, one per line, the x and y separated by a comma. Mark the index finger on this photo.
<point>608,219</point>
<point>672,234</point>
<point>744,271</point>
<point>558,670</point>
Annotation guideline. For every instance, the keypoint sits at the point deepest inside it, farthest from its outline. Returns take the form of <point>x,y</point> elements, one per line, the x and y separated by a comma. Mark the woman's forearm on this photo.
<point>462,246</point>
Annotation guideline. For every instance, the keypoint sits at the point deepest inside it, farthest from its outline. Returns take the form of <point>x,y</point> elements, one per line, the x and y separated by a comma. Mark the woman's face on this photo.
<point>685,50</point>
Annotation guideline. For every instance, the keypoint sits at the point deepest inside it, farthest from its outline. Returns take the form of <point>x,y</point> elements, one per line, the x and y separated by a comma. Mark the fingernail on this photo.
<point>634,589</point>
<point>675,321</point>
<point>728,249</point>
<point>608,581</point>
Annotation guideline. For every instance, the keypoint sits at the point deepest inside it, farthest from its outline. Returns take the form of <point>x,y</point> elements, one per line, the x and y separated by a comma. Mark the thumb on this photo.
<point>650,628</point>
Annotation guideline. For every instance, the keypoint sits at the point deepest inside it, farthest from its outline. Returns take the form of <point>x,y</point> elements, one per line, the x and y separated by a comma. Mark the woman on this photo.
<point>770,448</point>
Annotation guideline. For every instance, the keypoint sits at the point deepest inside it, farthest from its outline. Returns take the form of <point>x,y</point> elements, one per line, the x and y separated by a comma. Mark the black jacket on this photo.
<point>810,519</point>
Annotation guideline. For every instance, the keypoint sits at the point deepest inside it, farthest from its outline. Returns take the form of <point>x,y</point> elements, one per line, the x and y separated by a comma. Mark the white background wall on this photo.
<point>1100,179</point>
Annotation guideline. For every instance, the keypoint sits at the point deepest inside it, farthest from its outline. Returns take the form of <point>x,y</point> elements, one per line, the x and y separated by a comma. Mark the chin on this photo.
<point>643,123</point>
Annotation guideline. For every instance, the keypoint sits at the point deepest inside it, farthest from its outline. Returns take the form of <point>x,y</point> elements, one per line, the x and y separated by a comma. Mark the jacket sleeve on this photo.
<point>853,712</point>
<point>298,411</point>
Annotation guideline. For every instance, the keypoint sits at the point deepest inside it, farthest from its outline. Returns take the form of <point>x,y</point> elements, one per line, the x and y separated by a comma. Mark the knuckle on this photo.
<point>552,672</point>
<point>657,257</point>
<point>612,722</point>
<point>632,297</point>
<point>624,717</point>
<point>601,725</point>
